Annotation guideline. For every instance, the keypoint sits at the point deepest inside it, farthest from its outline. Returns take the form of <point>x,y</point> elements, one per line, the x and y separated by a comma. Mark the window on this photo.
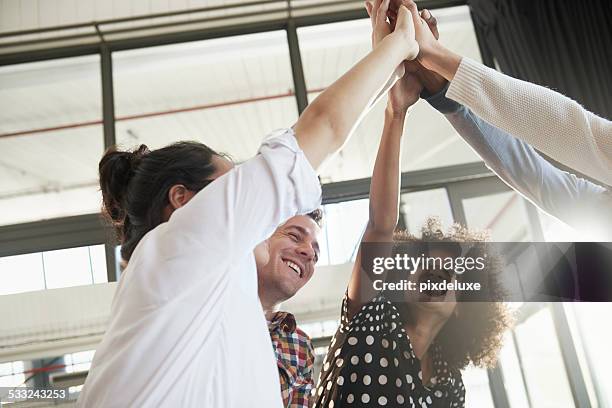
<point>228,93</point>
<point>11,374</point>
<point>329,50</point>
<point>343,227</point>
<point>417,207</point>
<point>542,362</point>
<point>53,269</point>
<point>504,214</point>
<point>51,139</point>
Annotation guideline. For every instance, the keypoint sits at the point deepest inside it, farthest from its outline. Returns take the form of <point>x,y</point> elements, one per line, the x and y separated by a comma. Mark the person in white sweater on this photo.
<point>552,123</point>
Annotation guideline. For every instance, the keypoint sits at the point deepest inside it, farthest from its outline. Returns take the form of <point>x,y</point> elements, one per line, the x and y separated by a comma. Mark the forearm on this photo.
<point>329,120</point>
<point>552,123</point>
<point>559,193</point>
<point>385,184</point>
<point>384,209</point>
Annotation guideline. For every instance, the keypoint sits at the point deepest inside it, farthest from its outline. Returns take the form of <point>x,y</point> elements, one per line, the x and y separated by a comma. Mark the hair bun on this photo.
<point>116,169</point>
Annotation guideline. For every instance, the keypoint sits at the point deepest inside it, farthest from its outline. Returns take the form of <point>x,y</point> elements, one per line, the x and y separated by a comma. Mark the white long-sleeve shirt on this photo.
<point>552,123</point>
<point>187,328</point>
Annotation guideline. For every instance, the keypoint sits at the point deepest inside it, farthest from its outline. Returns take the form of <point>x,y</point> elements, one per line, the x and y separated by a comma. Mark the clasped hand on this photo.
<point>403,17</point>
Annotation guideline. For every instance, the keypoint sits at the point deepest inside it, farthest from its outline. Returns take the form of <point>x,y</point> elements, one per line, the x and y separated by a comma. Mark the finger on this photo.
<point>368,7</point>
<point>375,8</point>
<point>382,12</point>
<point>404,18</point>
<point>414,11</point>
<point>431,22</point>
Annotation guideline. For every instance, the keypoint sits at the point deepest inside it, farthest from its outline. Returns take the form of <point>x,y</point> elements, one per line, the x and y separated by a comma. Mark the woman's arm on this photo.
<point>329,120</point>
<point>552,123</point>
<point>385,185</point>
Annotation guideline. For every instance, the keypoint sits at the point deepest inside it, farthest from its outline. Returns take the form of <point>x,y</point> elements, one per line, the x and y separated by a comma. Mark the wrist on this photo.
<point>409,47</point>
<point>440,60</point>
<point>395,114</point>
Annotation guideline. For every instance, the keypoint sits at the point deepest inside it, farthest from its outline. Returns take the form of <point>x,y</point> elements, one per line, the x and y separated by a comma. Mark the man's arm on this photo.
<point>563,195</point>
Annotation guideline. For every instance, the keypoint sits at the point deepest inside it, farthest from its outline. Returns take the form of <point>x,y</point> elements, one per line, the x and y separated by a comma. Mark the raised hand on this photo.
<point>378,12</point>
<point>405,92</point>
<point>428,43</point>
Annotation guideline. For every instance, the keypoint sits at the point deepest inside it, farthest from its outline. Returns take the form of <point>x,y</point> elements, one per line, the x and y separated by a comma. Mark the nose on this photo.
<point>306,251</point>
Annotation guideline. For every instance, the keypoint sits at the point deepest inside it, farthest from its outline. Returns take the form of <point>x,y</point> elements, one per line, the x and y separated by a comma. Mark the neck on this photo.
<point>269,306</point>
<point>423,330</point>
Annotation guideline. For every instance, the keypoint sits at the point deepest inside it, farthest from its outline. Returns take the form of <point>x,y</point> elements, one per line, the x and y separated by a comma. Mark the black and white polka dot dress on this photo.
<point>370,363</point>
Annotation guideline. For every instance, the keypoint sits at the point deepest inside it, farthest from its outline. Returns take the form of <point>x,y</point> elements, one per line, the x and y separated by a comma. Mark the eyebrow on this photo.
<point>304,231</point>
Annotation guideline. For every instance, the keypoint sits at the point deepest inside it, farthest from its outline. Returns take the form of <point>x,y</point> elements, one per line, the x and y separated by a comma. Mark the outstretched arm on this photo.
<point>571,199</point>
<point>547,120</point>
<point>330,119</point>
<point>385,185</point>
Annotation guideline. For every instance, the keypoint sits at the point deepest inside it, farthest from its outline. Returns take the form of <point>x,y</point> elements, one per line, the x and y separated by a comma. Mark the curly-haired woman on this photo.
<point>408,350</point>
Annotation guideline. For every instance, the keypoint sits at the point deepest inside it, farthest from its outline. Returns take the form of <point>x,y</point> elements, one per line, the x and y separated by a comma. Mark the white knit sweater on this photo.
<point>552,123</point>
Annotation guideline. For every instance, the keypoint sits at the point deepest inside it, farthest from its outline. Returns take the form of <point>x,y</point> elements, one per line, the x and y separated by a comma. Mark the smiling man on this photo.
<point>285,263</point>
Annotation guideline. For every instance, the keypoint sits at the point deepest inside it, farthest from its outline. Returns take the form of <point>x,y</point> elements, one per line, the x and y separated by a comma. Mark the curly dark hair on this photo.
<point>473,335</point>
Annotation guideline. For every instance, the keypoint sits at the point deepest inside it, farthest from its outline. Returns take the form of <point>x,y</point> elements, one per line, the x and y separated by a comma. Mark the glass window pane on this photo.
<point>596,337</point>
<point>556,231</point>
<point>344,224</point>
<point>512,373</point>
<point>21,273</point>
<point>504,214</point>
<point>67,267</point>
<point>543,365</point>
<point>417,207</point>
<point>329,50</point>
<point>51,139</point>
<point>97,255</point>
<point>228,93</point>
<point>477,391</point>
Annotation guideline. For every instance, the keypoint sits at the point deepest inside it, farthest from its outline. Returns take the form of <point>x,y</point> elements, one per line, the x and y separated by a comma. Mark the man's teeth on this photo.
<point>295,267</point>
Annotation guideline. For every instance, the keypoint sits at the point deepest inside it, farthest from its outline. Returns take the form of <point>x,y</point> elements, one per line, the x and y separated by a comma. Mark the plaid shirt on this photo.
<point>295,359</point>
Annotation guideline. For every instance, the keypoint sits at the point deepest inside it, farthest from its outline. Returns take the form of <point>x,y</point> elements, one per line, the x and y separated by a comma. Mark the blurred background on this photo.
<point>77,76</point>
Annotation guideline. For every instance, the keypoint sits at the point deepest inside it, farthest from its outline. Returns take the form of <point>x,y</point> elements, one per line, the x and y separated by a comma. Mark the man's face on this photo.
<point>286,261</point>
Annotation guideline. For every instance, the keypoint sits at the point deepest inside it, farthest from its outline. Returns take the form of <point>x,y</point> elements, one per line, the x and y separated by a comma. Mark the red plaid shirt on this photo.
<point>295,359</point>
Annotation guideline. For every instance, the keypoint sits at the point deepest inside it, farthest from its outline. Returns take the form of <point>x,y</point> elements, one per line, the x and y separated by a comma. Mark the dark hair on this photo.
<point>317,216</point>
<point>475,334</point>
<point>135,185</point>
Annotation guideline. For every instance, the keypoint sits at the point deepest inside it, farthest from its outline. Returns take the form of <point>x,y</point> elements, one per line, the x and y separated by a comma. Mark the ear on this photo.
<point>262,254</point>
<point>179,195</point>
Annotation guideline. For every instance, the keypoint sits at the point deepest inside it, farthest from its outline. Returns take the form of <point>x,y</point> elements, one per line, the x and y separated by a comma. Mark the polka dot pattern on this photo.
<point>371,363</point>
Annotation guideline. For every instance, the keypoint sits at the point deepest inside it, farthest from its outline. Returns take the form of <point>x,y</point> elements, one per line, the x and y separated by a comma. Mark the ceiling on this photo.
<point>227,92</point>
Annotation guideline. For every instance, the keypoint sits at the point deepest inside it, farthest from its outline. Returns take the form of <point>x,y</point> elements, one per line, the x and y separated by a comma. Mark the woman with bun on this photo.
<point>186,326</point>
